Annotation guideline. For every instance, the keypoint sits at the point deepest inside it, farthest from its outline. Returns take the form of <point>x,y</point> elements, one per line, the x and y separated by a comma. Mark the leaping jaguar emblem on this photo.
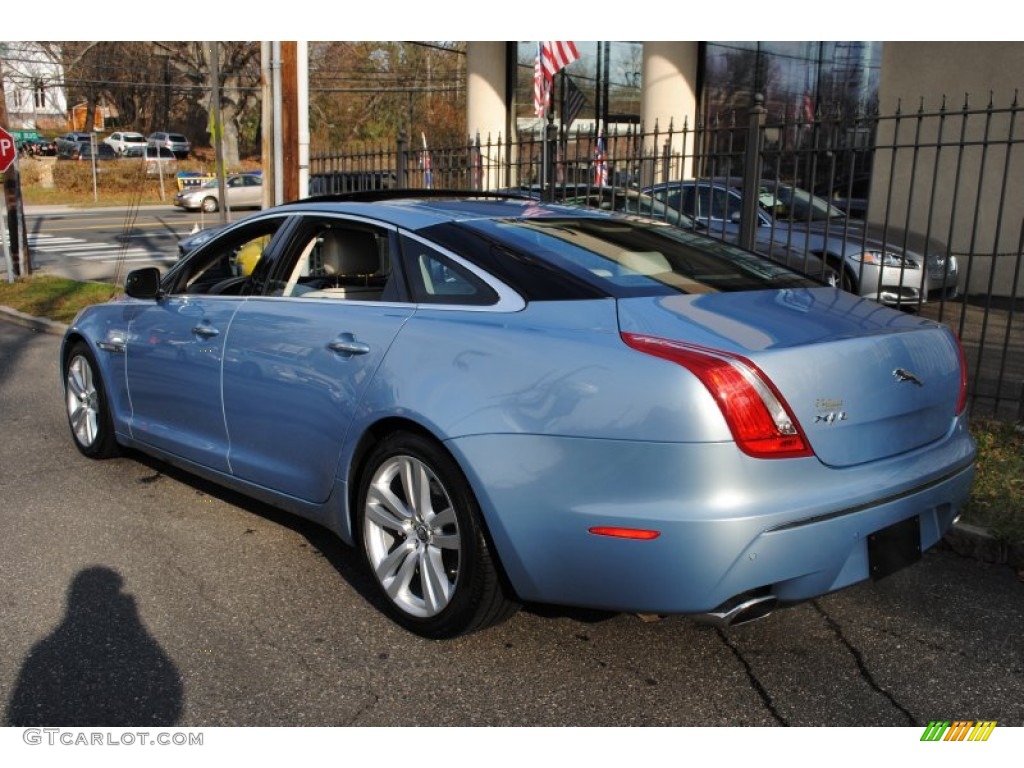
<point>902,374</point>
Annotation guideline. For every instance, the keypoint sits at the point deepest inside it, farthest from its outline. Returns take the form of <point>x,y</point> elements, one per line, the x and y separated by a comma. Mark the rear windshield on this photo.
<point>177,137</point>
<point>628,257</point>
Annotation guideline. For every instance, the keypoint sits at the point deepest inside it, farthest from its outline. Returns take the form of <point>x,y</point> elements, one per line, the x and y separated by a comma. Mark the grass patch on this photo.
<point>56,298</point>
<point>997,500</point>
<point>104,197</point>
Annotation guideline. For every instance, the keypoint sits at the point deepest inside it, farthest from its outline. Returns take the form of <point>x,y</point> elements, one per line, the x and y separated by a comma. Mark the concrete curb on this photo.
<point>967,540</point>
<point>973,541</point>
<point>35,323</point>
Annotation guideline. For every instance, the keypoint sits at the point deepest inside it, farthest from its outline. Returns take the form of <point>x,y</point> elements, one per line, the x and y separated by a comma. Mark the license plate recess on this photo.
<point>894,547</point>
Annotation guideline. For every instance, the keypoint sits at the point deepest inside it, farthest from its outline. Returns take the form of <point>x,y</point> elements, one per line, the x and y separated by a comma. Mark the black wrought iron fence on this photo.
<point>922,208</point>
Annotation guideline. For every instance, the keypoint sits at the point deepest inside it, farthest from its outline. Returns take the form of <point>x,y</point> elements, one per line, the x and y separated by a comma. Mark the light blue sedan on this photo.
<point>498,401</point>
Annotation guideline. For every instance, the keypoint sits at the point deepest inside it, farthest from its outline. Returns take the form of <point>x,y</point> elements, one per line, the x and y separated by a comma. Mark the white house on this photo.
<point>33,87</point>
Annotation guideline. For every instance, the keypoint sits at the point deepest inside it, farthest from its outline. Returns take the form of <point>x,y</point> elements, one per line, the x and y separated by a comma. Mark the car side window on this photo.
<point>336,259</point>
<point>227,265</point>
<point>437,279</point>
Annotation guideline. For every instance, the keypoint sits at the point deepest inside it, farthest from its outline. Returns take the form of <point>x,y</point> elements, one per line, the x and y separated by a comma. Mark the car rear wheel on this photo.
<point>209,204</point>
<point>424,542</point>
<point>86,400</point>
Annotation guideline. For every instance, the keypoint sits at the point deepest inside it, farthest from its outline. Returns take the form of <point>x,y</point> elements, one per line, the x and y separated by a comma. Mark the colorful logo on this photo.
<point>958,730</point>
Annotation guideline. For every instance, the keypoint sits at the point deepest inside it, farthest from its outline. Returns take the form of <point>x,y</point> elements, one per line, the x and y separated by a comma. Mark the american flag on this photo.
<point>428,175</point>
<point>600,163</point>
<point>552,56</point>
<point>808,108</point>
<point>574,102</point>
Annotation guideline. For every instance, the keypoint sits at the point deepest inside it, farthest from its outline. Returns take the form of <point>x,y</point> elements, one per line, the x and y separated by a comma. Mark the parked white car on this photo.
<point>127,143</point>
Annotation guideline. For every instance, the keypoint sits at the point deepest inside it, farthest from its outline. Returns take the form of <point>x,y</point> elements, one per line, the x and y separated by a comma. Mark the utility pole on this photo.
<point>19,254</point>
<point>289,120</point>
<point>267,122</point>
<point>218,147</point>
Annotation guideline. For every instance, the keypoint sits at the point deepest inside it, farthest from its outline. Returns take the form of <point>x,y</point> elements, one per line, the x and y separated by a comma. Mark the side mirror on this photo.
<point>143,283</point>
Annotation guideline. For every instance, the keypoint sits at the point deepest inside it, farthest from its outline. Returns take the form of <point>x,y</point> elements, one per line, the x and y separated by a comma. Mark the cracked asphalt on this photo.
<point>134,594</point>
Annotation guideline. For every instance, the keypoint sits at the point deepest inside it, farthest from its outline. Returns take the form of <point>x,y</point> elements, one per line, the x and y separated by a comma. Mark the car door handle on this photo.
<point>205,331</point>
<point>346,344</point>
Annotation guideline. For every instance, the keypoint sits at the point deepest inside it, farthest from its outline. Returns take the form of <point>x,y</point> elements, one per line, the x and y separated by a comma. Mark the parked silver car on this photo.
<point>244,190</point>
<point>886,264</point>
<point>175,142</point>
<point>159,161</point>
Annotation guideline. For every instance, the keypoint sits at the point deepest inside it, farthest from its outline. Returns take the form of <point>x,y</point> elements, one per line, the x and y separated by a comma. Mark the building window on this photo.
<point>797,79</point>
<point>39,94</point>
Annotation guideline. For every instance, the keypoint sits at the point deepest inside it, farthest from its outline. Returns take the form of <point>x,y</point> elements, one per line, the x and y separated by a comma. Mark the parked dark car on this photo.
<point>336,182</point>
<point>498,401</point>
<point>66,142</point>
<point>38,147</point>
<point>85,151</point>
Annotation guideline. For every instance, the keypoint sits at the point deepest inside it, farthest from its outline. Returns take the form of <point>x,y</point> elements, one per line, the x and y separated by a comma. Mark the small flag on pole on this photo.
<point>600,163</point>
<point>552,56</point>
<point>428,175</point>
<point>574,102</point>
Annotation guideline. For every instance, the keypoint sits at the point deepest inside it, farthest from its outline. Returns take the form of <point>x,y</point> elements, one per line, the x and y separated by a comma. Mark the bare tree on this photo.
<point>371,91</point>
<point>239,87</point>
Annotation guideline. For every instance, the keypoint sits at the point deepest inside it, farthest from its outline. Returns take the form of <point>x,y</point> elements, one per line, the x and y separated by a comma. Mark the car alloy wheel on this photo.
<point>424,543</point>
<point>86,401</point>
<point>210,204</point>
<point>838,277</point>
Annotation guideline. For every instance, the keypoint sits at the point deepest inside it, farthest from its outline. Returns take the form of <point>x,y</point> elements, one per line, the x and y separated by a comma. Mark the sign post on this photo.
<point>8,151</point>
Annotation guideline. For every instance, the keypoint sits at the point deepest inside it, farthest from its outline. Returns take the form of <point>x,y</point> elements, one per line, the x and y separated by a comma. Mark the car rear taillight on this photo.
<point>758,416</point>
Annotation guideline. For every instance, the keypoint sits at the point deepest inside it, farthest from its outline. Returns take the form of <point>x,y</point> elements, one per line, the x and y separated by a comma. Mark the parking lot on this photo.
<point>232,613</point>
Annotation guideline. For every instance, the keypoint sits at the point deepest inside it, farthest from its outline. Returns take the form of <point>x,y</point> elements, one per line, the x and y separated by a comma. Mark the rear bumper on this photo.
<point>728,524</point>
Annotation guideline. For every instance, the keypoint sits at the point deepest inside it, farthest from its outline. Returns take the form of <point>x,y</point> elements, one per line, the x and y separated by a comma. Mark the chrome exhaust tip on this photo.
<point>733,614</point>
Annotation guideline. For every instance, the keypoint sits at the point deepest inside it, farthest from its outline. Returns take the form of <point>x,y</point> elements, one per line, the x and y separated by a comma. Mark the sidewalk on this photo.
<point>967,540</point>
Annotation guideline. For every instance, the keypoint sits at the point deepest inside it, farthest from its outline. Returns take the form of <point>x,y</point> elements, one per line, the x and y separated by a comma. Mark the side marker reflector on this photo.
<point>624,533</point>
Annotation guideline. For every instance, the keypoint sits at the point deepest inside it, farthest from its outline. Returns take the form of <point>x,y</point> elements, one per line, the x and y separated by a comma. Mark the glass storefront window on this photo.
<point>607,77</point>
<point>798,79</point>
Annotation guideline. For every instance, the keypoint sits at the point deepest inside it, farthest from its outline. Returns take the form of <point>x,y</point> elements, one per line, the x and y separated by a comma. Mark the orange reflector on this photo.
<point>625,533</point>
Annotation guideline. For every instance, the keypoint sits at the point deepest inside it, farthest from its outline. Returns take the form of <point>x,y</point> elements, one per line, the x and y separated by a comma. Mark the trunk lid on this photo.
<point>865,382</point>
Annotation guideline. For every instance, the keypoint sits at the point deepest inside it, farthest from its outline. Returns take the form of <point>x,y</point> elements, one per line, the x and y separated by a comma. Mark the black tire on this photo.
<point>407,537</point>
<point>209,204</point>
<point>86,404</point>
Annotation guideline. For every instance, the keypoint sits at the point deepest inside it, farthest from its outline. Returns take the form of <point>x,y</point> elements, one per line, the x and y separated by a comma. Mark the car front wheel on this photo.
<point>86,400</point>
<point>424,542</point>
<point>209,204</point>
<point>839,277</point>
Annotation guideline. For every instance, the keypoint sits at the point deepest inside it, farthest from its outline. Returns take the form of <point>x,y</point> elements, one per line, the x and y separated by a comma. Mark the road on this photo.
<point>105,244</point>
<point>201,608</point>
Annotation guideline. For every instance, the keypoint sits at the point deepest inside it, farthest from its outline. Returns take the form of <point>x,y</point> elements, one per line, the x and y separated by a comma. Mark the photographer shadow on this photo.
<point>100,667</point>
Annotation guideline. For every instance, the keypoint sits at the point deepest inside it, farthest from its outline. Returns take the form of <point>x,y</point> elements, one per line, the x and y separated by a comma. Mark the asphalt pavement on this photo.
<point>136,594</point>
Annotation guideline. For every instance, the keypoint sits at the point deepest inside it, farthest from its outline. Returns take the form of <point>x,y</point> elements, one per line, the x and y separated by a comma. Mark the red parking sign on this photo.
<point>7,150</point>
